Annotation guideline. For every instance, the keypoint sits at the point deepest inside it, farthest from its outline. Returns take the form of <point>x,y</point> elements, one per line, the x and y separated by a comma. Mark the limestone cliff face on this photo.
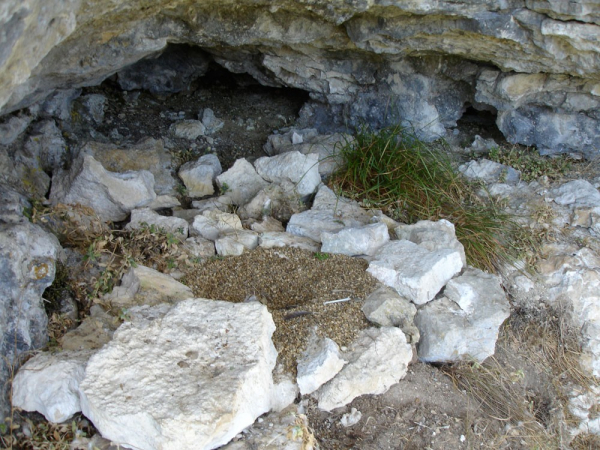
<point>535,62</point>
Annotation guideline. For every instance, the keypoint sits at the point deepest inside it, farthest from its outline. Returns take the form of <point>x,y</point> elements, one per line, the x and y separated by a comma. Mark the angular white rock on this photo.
<point>365,240</point>
<point>490,171</point>
<point>432,236</point>
<point>49,384</point>
<point>583,199</point>
<point>464,325</point>
<point>267,224</point>
<point>111,195</point>
<point>413,271</point>
<point>199,176</point>
<point>188,376</point>
<point>241,183</point>
<point>319,364</point>
<point>275,239</point>
<point>211,123</point>
<point>379,358</point>
<point>143,217</point>
<point>384,307</point>
<point>163,202</point>
<point>222,203</point>
<point>143,285</point>
<point>302,170</point>
<point>212,223</point>
<point>234,243</point>
<point>188,129</point>
<point>199,247</point>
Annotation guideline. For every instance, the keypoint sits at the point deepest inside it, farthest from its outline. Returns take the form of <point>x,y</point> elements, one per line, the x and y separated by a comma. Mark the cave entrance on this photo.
<point>480,122</point>
<point>249,112</point>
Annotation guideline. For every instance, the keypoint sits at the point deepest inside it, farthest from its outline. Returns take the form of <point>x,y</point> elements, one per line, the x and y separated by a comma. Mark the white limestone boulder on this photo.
<point>320,363</point>
<point>111,195</point>
<point>145,217</point>
<point>378,359</point>
<point>241,182</point>
<point>234,243</point>
<point>199,176</point>
<point>302,170</point>
<point>199,247</point>
<point>413,271</point>
<point>49,384</point>
<point>267,224</point>
<point>432,236</point>
<point>351,241</point>
<point>464,324</point>
<point>222,203</point>
<point>275,239</point>
<point>145,286</point>
<point>212,223</point>
<point>278,200</point>
<point>384,307</point>
<point>490,171</point>
<point>192,375</point>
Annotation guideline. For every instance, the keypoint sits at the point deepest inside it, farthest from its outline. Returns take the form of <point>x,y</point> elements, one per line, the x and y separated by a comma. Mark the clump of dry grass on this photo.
<point>29,433</point>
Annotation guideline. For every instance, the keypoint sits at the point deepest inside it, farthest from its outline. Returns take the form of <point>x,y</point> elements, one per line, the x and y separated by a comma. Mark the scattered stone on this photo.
<point>482,146</point>
<point>277,200</point>
<point>222,203</point>
<point>241,183</point>
<point>386,308</point>
<point>188,129</point>
<point>13,128</point>
<point>145,217</point>
<point>583,199</point>
<point>319,364</point>
<point>413,271</point>
<point>49,384</point>
<point>463,325</point>
<point>211,123</point>
<point>164,202</point>
<point>302,170</point>
<point>206,367</point>
<point>350,419</point>
<point>199,176</point>
<point>274,239</point>
<point>93,333</point>
<point>145,286</point>
<point>354,241</point>
<point>148,154</point>
<point>111,195</point>
<point>58,104</point>
<point>199,247</point>
<point>234,243</point>
<point>212,223</point>
<point>490,171</point>
<point>94,105</point>
<point>378,359</point>
<point>432,236</point>
<point>267,224</point>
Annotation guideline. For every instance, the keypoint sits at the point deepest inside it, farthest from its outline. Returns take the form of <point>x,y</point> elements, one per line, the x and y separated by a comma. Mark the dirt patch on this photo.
<point>294,284</point>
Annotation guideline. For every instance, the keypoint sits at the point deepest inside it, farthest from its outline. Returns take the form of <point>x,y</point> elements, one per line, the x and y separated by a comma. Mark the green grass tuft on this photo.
<point>409,180</point>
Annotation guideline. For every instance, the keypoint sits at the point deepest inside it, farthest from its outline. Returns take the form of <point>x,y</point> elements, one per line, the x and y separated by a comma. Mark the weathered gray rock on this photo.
<point>275,239</point>
<point>354,241</point>
<point>464,324</point>
<point>199,247</point>
<point>167,73</point>
<point>188,129</point>
<point>384,307</point>
<point>164,202</point>
<point>13,128</point>
<point>241,183</point>
<point>413,271</point>
<point>199,176</point>
<point>278,200</point>
<point>93,332</point>
<point>212,223</point>
<point>145,217</point>
<point>93,107</point>
<point>490,171</point>
<point>188,376</point>
<point>432,236</point>
<point>27,258</point>
<point>111,195</point>
<point>583,200</point>
<point>211,123</point>
<point>234,243</point>
<point>145,286</point>
<point>222,203</point>
<point>378,359</point>
<point>267,224</point>
<point>49,384</point>
<point>148,154</point>
<point>59,104</point>
<point>320,363</point>
<point>302,170</point>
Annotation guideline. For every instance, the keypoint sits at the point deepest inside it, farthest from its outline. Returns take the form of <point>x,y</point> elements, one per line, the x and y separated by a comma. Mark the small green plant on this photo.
<point>531,164</point>
<point>181,190</point>
<point>393,170</point>
<point>321,256</point>
<point>224,188</point>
